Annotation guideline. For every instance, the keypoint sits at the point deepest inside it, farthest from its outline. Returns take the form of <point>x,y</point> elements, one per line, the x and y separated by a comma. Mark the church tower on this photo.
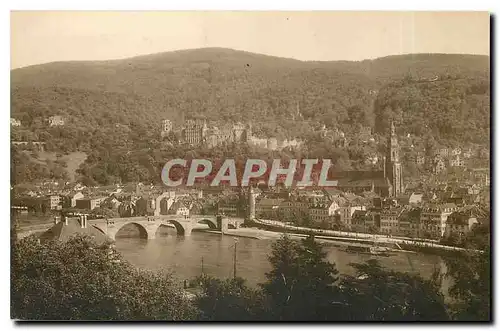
<point>392,163</point>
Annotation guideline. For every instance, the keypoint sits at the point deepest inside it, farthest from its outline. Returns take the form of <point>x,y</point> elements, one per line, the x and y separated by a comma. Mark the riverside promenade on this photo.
<point>357,237</point>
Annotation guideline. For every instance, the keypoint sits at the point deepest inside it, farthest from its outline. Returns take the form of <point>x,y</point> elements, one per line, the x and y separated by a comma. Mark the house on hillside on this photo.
<point>456,161</point>
<point>420,159</point>
<point>56,120</point>
<point>15,122</point>
<point>444,152</point>
<point>456,151</point>
<point>438,164</point>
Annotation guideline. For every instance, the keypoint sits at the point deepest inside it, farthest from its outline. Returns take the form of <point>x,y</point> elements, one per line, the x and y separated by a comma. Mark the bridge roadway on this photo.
<point>149,225</point>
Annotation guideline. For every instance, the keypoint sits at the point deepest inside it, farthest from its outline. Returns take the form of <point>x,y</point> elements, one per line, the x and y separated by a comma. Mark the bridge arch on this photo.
<point>164,225</point>
<point>210,222</point>
<point>178,226</point>
<point>143,231</point>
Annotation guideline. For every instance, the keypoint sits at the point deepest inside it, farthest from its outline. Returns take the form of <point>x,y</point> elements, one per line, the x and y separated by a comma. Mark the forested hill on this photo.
<point>444,95</point>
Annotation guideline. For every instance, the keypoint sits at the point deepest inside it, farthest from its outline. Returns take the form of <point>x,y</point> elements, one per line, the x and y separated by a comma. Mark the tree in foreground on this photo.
<point>470,272</point>
<point>301,283</point>
<point>80,280</point>
<point>377,294</point>
<point>230,300</point>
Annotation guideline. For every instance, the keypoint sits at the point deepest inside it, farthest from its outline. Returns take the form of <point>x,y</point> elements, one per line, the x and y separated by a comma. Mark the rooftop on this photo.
<point>63,232</point>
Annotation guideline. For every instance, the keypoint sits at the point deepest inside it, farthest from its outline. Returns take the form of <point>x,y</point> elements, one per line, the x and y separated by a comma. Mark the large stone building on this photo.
<point>197,133</point>
<point>433,219</point>
<point>194,132</point>
<point>389,220</point>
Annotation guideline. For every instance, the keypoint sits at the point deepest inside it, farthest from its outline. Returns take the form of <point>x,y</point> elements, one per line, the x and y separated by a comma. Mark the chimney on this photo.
<point>83,221</point>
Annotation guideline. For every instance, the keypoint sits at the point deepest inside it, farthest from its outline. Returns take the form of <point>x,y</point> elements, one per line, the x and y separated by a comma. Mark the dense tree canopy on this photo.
<point>113,109</point>
<point>80,280</point>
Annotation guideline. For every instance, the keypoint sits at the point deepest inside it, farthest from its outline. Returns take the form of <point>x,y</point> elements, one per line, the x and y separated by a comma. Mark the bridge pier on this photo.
<point>111,233</point>
<point>187,229</point>
<point>151,233</point>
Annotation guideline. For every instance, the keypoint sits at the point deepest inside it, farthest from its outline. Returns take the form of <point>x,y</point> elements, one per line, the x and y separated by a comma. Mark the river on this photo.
<point>183,256</point>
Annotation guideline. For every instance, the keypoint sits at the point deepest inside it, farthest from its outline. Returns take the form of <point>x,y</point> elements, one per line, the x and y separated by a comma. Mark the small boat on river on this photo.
<point>369,250</point>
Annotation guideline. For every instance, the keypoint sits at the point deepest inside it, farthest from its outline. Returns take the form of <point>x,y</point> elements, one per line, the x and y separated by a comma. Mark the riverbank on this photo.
<point>251,233</point>
<point>362,239</point>
<point>259,234</point>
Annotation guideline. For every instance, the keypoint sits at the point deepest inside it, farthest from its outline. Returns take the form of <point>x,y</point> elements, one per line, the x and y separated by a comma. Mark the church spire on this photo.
<point>392,163</point>
<point>392,145</point>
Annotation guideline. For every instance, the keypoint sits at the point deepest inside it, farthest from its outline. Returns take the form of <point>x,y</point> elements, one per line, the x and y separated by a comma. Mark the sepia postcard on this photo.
<point>250,166</point>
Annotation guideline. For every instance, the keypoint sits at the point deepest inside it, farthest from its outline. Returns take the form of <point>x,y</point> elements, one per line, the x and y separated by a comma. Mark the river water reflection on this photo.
<point>183,256</point>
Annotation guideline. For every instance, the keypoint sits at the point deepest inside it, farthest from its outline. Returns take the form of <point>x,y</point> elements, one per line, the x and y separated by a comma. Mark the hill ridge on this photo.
<point>243,52</point>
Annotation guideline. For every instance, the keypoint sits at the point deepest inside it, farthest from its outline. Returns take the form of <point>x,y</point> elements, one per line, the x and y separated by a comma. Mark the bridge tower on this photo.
<point>222,223</point>
<point>251,203</point>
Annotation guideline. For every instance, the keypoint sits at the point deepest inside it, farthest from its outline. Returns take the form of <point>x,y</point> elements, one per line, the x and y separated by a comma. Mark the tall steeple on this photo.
<point>393,145</point>
<point>392,162</point>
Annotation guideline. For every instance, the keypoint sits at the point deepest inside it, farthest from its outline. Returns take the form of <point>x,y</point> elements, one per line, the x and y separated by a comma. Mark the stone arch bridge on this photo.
<point>150,224</point>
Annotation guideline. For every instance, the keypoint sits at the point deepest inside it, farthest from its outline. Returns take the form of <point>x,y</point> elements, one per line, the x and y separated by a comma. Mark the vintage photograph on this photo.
<point>329,166</point>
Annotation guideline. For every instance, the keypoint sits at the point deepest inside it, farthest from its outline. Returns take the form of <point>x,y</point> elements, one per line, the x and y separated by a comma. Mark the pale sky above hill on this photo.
<point>40,37</point>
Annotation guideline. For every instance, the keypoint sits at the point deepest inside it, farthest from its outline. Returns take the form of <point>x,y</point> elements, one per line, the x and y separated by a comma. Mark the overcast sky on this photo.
<point>40,37</point>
